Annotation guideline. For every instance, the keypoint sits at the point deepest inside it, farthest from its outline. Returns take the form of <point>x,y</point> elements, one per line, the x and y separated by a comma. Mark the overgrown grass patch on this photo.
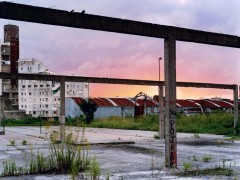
<point>214,123</point>
<point>218,171</point>
<point>149,122</point>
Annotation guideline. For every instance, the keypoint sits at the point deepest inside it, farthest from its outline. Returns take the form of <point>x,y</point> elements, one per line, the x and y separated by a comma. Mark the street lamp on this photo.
<point>159,68</point>
<point>161,104</point>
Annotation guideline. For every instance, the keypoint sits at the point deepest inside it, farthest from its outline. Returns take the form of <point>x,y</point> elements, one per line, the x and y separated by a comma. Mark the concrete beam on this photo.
<point>50,16</point>
<point>106,80</point>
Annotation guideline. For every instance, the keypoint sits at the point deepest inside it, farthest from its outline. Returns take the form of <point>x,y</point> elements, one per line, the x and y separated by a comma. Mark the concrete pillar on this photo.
<point>170,102</point>
<point>161,113</point>
<point>235,94</point>
<point>62,110</point>
<point>1,107</point>
<point>145,105</point>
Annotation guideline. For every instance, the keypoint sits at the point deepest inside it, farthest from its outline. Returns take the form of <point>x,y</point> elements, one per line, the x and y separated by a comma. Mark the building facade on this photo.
<point>42,98</point>
<point>9,63</point>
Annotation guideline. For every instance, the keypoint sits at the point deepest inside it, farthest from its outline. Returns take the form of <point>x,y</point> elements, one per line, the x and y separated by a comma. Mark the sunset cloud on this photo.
<point>102,54</point>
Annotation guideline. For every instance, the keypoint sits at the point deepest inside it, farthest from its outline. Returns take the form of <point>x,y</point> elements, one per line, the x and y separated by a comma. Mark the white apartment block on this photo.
<point>42,98</point>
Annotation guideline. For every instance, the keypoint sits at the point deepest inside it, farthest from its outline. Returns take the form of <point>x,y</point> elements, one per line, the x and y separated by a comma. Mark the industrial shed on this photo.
<point>122,107</point>
<point>106,107</point>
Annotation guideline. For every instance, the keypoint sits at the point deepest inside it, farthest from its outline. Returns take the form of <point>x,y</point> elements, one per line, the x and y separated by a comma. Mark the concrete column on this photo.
<point>170,102</point>
<point>161,113</point>
<point>62,110</point>
<point>235,92</point>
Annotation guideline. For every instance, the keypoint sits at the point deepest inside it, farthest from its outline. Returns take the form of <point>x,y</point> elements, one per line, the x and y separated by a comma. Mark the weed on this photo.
<point>206,158</point>
<point>54,137</point>
<point>107,176</point>
<point>12,142</point>
<point>24,142</point>
<point>63,158</point>
<point>187,166</point>
<point>156,136</point>
<point>94,170</point>
<point>195,135</point>
<point>195,158</point>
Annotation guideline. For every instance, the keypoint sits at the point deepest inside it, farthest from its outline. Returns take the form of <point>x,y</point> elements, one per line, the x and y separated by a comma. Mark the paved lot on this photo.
<point>142,160</point>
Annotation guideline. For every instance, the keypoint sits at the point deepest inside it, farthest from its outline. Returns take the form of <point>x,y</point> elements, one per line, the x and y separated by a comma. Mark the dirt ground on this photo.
<point>128,154</point>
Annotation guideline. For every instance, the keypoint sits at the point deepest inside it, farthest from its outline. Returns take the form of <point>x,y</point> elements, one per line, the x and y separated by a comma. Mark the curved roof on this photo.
<point>205,103</point>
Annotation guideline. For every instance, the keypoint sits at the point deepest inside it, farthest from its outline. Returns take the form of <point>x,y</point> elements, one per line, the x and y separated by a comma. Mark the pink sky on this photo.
<point>102,54</point>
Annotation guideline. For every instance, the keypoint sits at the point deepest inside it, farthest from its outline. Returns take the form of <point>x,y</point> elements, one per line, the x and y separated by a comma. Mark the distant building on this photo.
<point>42,98</point>
<point>9,61</point>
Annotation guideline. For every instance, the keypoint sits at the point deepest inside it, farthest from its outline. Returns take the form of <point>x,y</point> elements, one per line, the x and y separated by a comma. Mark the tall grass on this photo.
<point>214,123</point>
<point>149,122</point>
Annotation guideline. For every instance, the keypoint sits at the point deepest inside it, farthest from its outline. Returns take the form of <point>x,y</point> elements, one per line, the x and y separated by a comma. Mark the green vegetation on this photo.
<point>207,158</point>
<point>28,121</point>
<point>214,123</point>
<point>24,142</point>
<point>220,170</point>
<point>12,142</point>
<point>149,122</point>
<point>63,158</point>
<point>94,170</point>
<point>88,107</point>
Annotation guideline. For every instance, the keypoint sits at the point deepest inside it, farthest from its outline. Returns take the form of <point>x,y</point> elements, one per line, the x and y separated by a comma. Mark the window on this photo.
<point>30,93</point>
<point>41,85</point>
<point>23,86</point>
<point>29,86</point>
<point>34,112</point>
<point>46,105</point>
<point>35,86</point>
<point>47,85</point>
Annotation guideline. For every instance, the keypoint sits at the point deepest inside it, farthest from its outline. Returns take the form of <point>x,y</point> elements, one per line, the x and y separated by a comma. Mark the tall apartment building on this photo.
<point>42,98</point>
<point>9,63</point>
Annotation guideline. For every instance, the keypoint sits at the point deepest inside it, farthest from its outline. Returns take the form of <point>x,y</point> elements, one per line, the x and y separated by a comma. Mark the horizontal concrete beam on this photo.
<point>79,20</point>
<point>107,80</point>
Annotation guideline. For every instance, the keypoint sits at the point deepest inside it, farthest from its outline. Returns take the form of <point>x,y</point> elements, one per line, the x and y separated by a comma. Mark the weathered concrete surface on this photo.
<point>142,160</point>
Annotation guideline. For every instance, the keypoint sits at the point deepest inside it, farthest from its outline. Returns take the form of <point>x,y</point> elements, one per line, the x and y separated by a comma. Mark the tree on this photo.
<point>88,107</point>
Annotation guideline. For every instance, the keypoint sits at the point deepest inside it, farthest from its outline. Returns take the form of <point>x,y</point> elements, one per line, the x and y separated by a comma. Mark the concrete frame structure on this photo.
<point>169,33</point>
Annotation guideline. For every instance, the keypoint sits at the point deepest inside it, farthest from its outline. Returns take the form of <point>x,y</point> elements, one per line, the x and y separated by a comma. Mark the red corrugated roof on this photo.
<point>102,102</point>
<point>122,101</point>
<point>149,103</point>
<point>222,103</point>
<point>206,103</point>
<point>186,103</point>
<point>78,100</point>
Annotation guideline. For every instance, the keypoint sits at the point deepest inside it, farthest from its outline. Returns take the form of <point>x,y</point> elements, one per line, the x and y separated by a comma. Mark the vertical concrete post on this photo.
<point>62,110</point>
<point>145,104</point>
<point>235,94</point>
<point>161,113</point>
<point>170,102</point>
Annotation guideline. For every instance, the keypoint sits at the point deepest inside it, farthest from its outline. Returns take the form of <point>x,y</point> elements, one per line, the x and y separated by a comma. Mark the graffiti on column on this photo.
<point>172,136</point>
